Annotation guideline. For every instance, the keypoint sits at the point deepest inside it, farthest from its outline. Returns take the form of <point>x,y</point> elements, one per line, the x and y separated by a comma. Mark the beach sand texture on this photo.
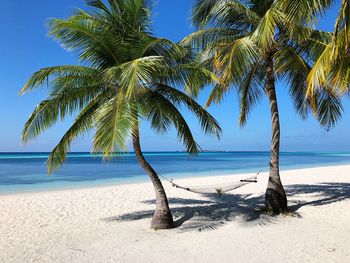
<point>111,224</point>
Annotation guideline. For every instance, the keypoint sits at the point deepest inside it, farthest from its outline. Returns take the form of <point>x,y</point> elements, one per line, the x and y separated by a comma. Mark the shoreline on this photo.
<point>184,176</point>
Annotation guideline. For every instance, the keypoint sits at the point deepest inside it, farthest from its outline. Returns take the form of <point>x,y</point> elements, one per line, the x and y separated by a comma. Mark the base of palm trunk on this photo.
<point>276,201</point>
<point>162,220</point>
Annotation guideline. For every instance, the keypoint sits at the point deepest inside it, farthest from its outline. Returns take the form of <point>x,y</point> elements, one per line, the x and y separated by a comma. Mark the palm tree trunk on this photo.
<point>275,197</point>
<point>162,218</point>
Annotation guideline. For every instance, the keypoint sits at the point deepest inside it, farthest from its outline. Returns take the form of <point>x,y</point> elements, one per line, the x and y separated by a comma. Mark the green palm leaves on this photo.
<point>332,68</point>
<point>127,74</point>
<point>238,38</point>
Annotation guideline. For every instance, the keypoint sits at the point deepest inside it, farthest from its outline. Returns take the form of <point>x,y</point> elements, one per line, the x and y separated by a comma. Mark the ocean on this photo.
<point>26,172</point>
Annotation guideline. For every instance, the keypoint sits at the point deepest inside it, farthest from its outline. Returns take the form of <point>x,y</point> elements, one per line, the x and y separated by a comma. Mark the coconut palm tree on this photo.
<point>126,75</point>
<point>332,68</point>
<point>252,44</point>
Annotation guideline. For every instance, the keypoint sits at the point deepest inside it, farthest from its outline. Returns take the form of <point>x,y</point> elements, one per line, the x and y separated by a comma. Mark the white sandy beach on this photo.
<point>111,224</point>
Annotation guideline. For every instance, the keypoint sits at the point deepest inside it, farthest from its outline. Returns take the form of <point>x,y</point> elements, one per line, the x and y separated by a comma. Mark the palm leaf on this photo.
<point>208,123</point>
<point>113,126</point>
<point>82,124</point>
<point>169,114</point>
<point>250,91</point>
<point>132,75</point>
<point>42,77</point>
<point>266,30</point>
<point>328,108</point>
<point>235,58</point>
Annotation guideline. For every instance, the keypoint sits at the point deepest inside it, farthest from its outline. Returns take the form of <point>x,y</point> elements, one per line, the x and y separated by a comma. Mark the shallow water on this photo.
<point>26,172</point>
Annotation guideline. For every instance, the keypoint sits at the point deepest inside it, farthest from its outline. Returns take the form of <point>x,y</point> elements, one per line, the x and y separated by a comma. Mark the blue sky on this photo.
<point>26,48</point>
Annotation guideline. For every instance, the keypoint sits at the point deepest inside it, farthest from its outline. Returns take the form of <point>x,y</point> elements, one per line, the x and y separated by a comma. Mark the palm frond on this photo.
<point>82,124</point>
<point>113,124</point>
<point>192,76</point>
<point>208,37</point>
<point>43,76</point>
<point>162,112</point>
<point>64,103</point>
<point>266,30</point>
<point>327,108</point>
<point>132,75</point>
<point>343,22</point>
<point>85,35</point>
<point>250,91</point>
<point>227,13</point>
<point>235,58</point>
<point>303,11</point>
<point>318,76</point>
<point>208,123</point>
<point>292,66</point>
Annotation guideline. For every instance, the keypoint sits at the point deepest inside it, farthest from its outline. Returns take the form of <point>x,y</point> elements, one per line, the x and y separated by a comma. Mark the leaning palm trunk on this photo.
<point>162,218</point>
<point>275,197</point>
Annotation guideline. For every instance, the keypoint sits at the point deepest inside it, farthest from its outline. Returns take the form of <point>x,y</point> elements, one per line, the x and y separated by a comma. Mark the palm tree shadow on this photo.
<point>321,194</point>
<point>218,211</point>
<point>201,215</point>
<point>213,212</point>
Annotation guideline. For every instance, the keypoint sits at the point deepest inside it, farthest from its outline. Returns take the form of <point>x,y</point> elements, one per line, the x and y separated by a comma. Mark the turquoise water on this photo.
<point>26,172</point>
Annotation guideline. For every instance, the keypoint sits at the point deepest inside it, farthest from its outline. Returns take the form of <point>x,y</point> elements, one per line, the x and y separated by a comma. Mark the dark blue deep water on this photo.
<point>25,172</point>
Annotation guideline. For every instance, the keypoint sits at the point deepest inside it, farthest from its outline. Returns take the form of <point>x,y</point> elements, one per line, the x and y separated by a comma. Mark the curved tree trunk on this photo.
<point>275,197</point>
<point>162,218</point>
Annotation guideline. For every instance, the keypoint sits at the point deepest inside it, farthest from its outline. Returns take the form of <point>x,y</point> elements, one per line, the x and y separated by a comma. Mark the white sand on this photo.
<point>110,224</point>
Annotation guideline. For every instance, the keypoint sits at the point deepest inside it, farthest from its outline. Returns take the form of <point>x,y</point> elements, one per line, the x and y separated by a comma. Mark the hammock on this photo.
<point>218,189</point>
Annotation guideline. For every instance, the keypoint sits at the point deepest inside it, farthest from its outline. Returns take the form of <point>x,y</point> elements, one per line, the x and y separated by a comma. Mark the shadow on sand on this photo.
<point>209,214</point>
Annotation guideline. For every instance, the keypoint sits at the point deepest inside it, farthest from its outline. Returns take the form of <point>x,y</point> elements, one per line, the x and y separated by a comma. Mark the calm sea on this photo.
<point>26,172</point>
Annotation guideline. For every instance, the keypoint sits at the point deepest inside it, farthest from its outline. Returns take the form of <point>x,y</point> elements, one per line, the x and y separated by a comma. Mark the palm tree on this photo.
<point>252,44</point>
<point>332,68</point>
<point>126,75</point>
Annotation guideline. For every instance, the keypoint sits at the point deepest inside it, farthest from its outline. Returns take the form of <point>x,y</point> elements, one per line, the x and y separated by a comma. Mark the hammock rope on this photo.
<point>218,189</point>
